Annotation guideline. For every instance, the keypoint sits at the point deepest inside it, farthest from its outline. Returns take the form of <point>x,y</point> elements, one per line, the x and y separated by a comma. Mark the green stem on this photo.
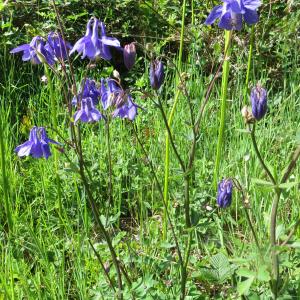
<point>54,122</point>
<point>274,254</point>
<point>4,180</point>
<point>249,63</point>
<point>170,119</point>
<point>264,166</point>
<point>225,76</point>
<point>110,186</point>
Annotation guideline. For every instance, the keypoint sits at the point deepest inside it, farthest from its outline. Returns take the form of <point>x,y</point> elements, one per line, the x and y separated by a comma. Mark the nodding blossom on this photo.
<point>112,95</point>
<point>93,46</point>
<point>57,46</point>
<point>37,145</point>
<point>259,102</point>
<point>224,196</point>
<point>87,112</point>
<point>35,51</point>
<point>89,90</point>
<point>156,74</point>
<point>232,12</point>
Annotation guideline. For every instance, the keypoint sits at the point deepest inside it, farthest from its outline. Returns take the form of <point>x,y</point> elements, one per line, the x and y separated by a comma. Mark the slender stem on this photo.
<point>55,123</point>
<point>161,194</point>
<point>102,266</point>
<point>180,160</point>
<point>249,62</point>
<point>274,254</point>
<point>252,229</point>
<point>4,179</point>
<point>260,157</point>
<point>110,185</point>
<point>167,149</point>
<point>225,76</point>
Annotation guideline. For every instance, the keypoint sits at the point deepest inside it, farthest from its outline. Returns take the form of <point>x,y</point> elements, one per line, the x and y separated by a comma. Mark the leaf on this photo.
<point>244,286</point>
<point>243,272</point>
<point>221,267</point>
<point>263,182</point>
<point>288,185</point>
<point>263,274</point>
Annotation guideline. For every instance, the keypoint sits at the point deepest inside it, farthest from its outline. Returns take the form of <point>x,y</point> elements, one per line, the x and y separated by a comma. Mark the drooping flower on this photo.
<point>87,112</point>
<point>89,90</point>
<point>112,95</point>
<point>35,51</point>
<point>156,74</point>
<point>259,102</point>
<point>109,91</point>
<point>93,46</point>
<point>224,196</point>
<point>232,12</point>
<point>126,108</point>
<point>57,46</point>
<point>37,145</point>
<point>129,54</point>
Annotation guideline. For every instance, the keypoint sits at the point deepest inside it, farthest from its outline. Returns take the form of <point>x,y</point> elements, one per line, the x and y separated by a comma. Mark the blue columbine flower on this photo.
<point>37,145</point>
<point>57,46</point>
<point>109,91</point>
<point>231,13</point>
<point>129,54</point>
<point>93,46</point>
<point>35,51</point>
<point>224,196</point>
<point>89,90</point>
<point>156,74</point>
<point>112,95</point>
<point>87,112</point>
<point>259,102</point>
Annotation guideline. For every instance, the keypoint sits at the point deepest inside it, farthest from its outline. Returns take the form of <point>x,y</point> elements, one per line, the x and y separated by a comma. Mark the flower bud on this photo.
<point>129,54</point>
<point>156,74</point>
<point>224,196</point>
<point>259,102</point>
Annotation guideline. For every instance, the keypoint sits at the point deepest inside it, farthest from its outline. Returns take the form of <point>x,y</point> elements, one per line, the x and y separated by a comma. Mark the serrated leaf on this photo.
<point>244,286</point>
<point>288,185</point>
<point>263,182</point>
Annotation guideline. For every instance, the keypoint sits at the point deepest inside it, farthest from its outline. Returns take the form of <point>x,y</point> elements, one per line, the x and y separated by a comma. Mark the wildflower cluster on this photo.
<point>94,45</point>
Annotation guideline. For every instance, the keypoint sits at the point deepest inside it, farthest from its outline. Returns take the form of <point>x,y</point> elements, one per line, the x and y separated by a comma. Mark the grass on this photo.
<point>47,254</point>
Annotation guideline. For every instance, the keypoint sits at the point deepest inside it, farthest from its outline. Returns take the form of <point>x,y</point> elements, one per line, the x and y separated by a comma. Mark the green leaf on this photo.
<point>288,185</point>
<point>263,182</point>
<point>244,286</point>
<point>263,274</point>
<point>243,272</point>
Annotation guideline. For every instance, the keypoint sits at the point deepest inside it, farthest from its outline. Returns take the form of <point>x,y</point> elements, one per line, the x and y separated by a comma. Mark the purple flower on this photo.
<point>89,90</point>
<point>259,102</point>
<point>224,196</point>
<point>126,108</point>
<point>92,46</point>
<point>129,54</point>
<point>112,95</point>
<point>231,13</point>
<point>37,145</point>
<point>109,91</point>
<point>35,51</point>
<point>57,46</point>
<point>87,112</point>
<point>156,74</point>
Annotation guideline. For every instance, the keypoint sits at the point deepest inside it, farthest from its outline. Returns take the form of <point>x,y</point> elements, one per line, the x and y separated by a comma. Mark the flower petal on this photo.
<point>251,16</point>
<point>252,4</point>
<point>214,14</point>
